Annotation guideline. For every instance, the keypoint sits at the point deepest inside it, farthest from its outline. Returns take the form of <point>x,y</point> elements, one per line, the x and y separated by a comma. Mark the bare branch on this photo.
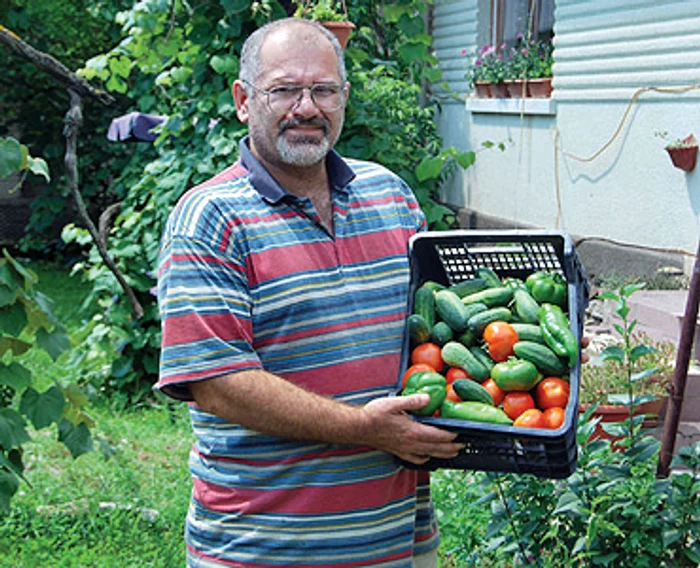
<point>53,67</point>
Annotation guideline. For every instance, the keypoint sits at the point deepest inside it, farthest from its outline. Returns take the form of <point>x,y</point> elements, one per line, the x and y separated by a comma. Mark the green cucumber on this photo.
<point>492,297</point>
<point>474,411</point>
<point>525,306</point>
<point>451,310</point>
<point>547,362</point>
<point>424,304</point>
<point>467,287</point>
<point>492,279</point>
<point>477,323</point>
<point>483,356</point>
<point>433,286</point>
<point>528,332</point>
<point>467,389</point>
<point>457,355</point>
<point>468,338</point>
<point>441,333</point>
<point>418,329</point>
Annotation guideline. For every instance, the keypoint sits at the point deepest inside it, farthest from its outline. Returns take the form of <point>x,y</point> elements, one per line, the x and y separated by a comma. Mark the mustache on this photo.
<point>316,121</point>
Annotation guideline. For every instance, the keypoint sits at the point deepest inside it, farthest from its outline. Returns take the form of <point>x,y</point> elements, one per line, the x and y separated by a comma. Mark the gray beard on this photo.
<point>303,152</point>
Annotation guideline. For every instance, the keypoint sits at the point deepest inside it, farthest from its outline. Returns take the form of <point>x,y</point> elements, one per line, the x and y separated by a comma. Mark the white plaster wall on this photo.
<point>606,50</point>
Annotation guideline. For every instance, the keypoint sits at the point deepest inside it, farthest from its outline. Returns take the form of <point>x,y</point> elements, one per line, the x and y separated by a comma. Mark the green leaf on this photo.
<point>639,351</point>
<point>76,438</point>
<point>430,167</point>
<point>466,159</point>
<point>27,275</point>
<point>225,65</point>
<point>413,51</point>
<point>11,157</point>
<point>392,12</point>
<point>13,318</point>
<point>12,432</point>
<point>17,346</point>
<point>15,376</point>
<point>43,409</point>
<point>432,74</point>
<point>53,342</point>
<point>39,167</point>
<point>7,295</point>
<point>235,6</point>
<point>613,352</point>
<point>644,374</point>
<point>9,483</point>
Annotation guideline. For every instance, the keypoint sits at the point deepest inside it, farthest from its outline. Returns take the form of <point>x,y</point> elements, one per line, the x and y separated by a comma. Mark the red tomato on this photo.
<point>532,418</point>
<point>451,394</point>
<point>496,392</point>
<point>517,402</point>
<point>415,369</point>
<point>554,417</point>
<point>454,373</point>
<point>430,354</point>
<point>552,391</point>
<point>500,338</point>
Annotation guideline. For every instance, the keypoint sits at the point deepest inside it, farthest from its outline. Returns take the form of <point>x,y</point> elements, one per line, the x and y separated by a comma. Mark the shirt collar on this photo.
<point>339,173</point>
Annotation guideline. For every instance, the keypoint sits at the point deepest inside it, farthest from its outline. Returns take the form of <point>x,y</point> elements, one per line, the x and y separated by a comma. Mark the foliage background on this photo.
<point>178,59</point>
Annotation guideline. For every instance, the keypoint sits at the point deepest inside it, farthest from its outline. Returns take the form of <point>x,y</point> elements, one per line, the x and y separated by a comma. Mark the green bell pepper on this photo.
<point>549,287</point>
<point>557,333</point>
<point>432,384</point>
<point>515,375</point>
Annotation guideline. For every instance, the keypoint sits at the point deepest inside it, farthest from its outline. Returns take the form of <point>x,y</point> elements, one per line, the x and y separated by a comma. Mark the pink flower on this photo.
<point>464,52</point>
<point>477,63</point>
<point>487,50</point>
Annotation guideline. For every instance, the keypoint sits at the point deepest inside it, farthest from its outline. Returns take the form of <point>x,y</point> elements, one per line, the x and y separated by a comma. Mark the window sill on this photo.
<point>543,107</point>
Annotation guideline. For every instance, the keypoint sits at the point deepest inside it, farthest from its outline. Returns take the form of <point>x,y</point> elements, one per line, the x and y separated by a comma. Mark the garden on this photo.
<point>93,463</point>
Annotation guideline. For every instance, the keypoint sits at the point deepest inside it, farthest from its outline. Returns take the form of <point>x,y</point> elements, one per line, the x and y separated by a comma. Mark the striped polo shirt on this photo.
<point>250,279</point>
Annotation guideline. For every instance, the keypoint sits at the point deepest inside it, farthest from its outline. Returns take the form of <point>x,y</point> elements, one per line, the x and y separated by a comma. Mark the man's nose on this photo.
<point>305,104</point>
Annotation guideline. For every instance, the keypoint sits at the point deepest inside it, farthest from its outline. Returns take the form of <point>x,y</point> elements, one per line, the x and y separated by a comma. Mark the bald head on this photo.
<point>288,30</point>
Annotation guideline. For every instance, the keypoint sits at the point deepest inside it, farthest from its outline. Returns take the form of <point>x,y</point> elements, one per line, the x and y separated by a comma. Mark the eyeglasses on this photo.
<point>282,99</point>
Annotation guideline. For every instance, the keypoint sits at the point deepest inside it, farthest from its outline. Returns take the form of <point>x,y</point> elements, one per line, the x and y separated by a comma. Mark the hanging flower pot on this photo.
<point>684,157</point>
<point>341,30</point>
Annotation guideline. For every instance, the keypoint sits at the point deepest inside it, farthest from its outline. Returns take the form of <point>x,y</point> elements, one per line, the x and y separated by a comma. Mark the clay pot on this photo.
<point>540,88</point>
<point>684,158</point>
<point>341,30</point>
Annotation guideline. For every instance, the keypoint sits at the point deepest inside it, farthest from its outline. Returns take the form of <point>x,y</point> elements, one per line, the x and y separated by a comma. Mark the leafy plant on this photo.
<point>530,59</point>
<point>688,142</point>
<point>27,324</point>
<point>321,10</point>
<point>490,65</point>
<point>14,157</point>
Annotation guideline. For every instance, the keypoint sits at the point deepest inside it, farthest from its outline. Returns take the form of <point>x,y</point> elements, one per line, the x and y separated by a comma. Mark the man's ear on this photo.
<point>240,98</point>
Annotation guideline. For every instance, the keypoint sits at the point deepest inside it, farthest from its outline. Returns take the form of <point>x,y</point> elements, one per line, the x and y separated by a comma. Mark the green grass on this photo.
<point>124,507</point>
<point>124,504</point>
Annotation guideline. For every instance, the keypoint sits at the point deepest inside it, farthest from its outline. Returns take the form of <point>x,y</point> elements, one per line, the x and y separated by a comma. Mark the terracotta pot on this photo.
<point>540,88</point>
<point>482,89</point>
<point>517,88</point>
<point>341,30</point>
<point>620,413</point>
<point>499,91</point>
<point>684,158</point>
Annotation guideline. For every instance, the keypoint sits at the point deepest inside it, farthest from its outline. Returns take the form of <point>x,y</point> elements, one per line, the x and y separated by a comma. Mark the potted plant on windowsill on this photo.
<point>487,72</point>
<point>529,69</point>
<point>333,15</point>
<point>683,152</point>
<point>629,379</point>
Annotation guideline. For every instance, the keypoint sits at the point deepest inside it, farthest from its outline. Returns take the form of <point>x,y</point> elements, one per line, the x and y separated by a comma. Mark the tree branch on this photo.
<point>74,119</point>
<point>53,67</point>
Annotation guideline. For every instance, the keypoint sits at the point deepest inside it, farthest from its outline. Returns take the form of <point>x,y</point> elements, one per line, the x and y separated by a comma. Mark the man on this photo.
<point>282,287</point>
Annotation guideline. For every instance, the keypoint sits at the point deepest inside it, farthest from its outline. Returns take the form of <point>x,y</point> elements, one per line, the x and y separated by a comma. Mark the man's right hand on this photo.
<point>390,428</point>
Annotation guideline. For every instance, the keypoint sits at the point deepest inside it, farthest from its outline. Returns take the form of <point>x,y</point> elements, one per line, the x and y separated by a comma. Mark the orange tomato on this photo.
<point>552,391</point>
<point>430,354</point>
<point>554,417</point>
<point>500,337</point>
<point>531,418</point>
<point>517,402</point>
<point>451,394</point>
<point>496,392</point>
<point>415,369</point>
<point>454,373</point>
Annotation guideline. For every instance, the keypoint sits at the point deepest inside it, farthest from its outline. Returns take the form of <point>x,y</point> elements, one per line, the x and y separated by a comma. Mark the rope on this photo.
<point>558,149</point>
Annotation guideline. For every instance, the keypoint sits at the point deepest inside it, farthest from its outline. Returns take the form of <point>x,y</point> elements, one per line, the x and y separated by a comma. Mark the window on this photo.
<point>512,17</point>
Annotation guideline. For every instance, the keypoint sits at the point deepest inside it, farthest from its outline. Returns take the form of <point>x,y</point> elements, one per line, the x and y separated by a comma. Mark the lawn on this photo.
<point>123,504</point>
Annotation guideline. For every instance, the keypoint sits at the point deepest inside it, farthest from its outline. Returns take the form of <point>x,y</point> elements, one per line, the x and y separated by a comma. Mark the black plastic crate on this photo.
<point>453,256</point>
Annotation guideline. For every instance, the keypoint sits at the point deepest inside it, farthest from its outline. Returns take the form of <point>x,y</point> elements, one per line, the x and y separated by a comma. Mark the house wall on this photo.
<point>589,161</point>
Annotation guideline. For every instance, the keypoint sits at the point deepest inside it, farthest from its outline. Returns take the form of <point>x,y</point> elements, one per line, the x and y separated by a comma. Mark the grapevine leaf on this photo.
<point>53,342</point>
<point>15,376</point>
<point>76,438</point>
<point>12,432</point>
<point>43,409</point>
<point>13,318</point>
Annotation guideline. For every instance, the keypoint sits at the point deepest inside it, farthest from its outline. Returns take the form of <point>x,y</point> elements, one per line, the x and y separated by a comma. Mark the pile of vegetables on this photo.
<point>493,350</point>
